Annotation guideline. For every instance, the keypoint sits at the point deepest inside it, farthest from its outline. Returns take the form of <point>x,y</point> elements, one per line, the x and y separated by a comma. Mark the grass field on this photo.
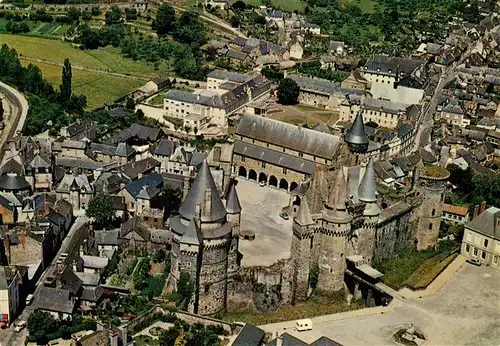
<point>366,5</point>
<point>99,88</point>
<point>428,271</point>
<point>107,58</point>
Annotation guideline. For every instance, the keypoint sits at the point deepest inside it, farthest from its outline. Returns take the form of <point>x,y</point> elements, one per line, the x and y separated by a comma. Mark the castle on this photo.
<point>337,212</point>
<point>205,238</point>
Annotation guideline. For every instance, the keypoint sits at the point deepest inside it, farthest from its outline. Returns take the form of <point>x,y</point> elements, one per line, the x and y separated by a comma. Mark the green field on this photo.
<point>108,58</point>
<point>98,87</point>
<point>366,5</point>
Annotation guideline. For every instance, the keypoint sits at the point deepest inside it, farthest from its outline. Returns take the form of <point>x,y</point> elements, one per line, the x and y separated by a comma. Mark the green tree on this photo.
<point>113,16</point>
<point>185,289</point>
<point>65,87</point>
<point>169,336</point>
<point>288,92</point>
<point>41,321</point>
<point>130,103</point>
<point>101,209</point>
<point>165,21</point>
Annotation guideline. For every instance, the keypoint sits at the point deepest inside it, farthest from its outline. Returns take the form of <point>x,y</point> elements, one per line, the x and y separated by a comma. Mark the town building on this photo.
<point>481,239</point>
<point>454,114</point>
<point>455,214</point>
<point>227,94</point>
<point>322,93</point>
<point>10,303</point>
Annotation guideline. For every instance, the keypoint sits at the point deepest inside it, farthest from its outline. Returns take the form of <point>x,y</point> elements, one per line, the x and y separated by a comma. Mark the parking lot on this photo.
<point>261,207</point>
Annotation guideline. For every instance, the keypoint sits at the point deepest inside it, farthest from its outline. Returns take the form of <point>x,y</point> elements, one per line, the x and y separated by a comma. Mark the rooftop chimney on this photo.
<point>197,214</point>
<point>482,208</point>
<point>207,205</point>
<point>476,211</point>
<point>217,153</point>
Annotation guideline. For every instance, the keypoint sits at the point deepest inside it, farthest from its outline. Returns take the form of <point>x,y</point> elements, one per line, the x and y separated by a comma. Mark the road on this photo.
<point>70,244</point>
<point>16,110</point>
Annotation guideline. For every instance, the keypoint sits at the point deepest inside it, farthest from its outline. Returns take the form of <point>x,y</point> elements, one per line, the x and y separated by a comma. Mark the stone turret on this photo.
<point>334,233</point>
<point>302,240</point>
<point>233,209</point>
<point>367,194</point>
<point>356,138</point>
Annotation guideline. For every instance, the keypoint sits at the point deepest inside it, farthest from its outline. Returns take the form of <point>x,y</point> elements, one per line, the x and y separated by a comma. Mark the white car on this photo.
<point>18,326</point>
<point>262,183</point>
<point>29,299</point>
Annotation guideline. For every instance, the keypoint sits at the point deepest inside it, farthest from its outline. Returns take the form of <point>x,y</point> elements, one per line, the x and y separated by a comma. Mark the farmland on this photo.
<point>98,87</point>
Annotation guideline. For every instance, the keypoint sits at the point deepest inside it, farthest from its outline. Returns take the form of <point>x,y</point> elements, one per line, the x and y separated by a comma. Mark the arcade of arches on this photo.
<point>271,180</point>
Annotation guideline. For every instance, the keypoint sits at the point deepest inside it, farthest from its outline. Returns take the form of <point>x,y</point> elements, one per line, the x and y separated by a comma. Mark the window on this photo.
<point>486,243</point>
<point>475,252</point>
<point>433,212</point>
<point>284,170</point>
<point>430,226</point>
<point>495,259</point>
<point>483,254</point>
<point>467,248</point>
<point>311,243</point>
<point>207,288</point>
<point>301,155</point>
<point>267,144</point>
<point>263,165</point>
<point>253,141</point>
<point>243,159</point>
<point>283,149</point>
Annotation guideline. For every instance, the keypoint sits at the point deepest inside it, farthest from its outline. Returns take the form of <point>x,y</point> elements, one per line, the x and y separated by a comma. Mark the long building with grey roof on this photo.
<point>322,93</point>
<point>227,94</point>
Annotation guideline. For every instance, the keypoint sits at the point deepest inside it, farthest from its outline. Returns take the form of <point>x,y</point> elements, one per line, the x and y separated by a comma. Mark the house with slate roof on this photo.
<point>481,239</point>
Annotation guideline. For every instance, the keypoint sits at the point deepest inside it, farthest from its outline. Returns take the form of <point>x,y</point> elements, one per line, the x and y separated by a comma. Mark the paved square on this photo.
<point>261,207</point>
<point>466,311</point>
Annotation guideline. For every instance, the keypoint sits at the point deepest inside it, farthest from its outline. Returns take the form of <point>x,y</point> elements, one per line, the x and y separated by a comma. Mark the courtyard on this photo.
<point>466,311</point>
<point>261,207</point>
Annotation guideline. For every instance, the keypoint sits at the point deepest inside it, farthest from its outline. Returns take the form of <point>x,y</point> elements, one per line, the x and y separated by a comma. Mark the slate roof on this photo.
<point>322,86</point>
<point>274,157</point>
<point>233,205</point>
<point>234,54</point>
<point>12,166</point>
<point>230,76</point>
<point>39,162</point>
<point>385,105</point>
<point>286,340</point>
<point>54,299</point>
<point>94,262</point>
<point>144,133</point>
<point>69,181</point>
<point>487,223</point>
<point>120,150</point>
<point>165,148</point>
<point>368,186</point>
<point>13,182</point>
<point>70,281</point>
<point>153,181</point>
<point>92,294</point>
<point>192,235</point>
<point>107,237</point>
<point>148,192</point>
<point>137,225</point>
<point>201,183</point>
<point>288,136</point>
<point>324,341</point>
<point>132,170</point>
<point>78,127</point>
<point>356,133</point>
<point>453,107</point>
<point>394,210</point>
<point>6,276</point>
<point>391,65</point>
<point>249,335</point>
<point>83,163</point>
<point>67,143</point>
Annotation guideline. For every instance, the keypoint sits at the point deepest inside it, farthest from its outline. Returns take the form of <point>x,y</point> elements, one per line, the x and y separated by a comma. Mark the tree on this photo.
<point>185,289</point>
<point>130,14</point>
<point>41,321</point>
<point>173,199</point>
<point>239,5</point>
<point>234,21</point>
<point>114,16</point>
<point>1,110</point>
<point>101,209</point>
<point>130,103</point>
<point>169,336</point>
<point>181,339</point>
<point>288,92</point>
<point>164,22</point>
<point>65,87</point>
<point>462,179</point>
<point>187,128</point>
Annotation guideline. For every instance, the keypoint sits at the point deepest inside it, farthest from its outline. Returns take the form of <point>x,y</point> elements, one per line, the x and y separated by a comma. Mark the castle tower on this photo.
<point>356,137</point>
<point>191,250</point>
<point>302,241</point>
<point>334,232</point>
<point>204,205</point>
<point>367,194</point>
<point>233,209</point>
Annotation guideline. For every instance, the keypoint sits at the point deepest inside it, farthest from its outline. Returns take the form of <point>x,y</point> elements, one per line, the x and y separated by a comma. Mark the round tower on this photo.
<point>356,137</point>
<point>367,194</point>
<point>335,227</point>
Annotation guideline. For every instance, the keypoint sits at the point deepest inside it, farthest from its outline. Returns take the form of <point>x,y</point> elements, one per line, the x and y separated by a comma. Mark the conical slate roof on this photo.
<point>233,205</point>
<point>356,134</point>
<point>303,216</point>
<point>368,186</point>
<point>201,183</point>
<point>337,198</point>
<point>192,235</point>
<point>12,182</point>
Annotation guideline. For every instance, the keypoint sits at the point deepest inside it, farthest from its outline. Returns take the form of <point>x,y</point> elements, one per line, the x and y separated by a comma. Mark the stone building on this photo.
<point>205,243</point>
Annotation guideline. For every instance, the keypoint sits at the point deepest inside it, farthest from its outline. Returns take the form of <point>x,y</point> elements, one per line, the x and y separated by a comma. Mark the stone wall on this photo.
<point>332,256</point>
<point>393,236</point>
<point>301,261</point>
